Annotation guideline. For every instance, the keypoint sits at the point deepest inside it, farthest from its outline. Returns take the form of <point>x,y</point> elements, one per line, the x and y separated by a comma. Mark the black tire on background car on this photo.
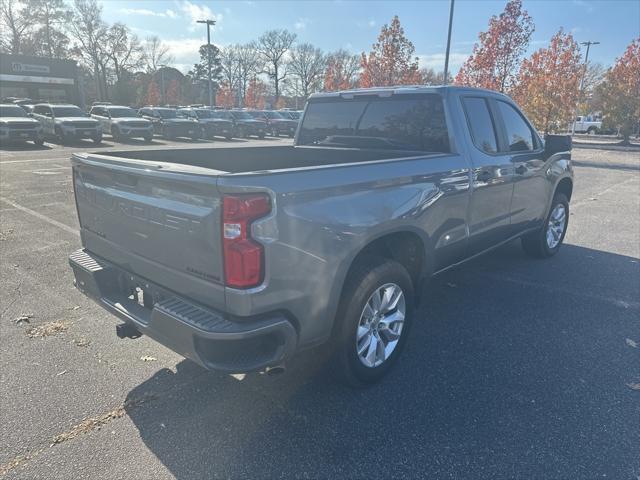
<point>148,138</point>
<point>373,321</point>
<point>97,139</point>
<point>115,133</point>
<point>546,241</point>
<point>261,135</point>
<point>39,141</point>
<point>62,138</point>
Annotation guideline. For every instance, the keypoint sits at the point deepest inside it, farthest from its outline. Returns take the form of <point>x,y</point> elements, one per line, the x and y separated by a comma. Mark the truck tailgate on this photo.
<point>161,221</point>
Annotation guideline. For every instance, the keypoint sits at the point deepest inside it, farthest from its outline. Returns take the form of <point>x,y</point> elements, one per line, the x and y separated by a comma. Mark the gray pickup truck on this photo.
<point>238,258</point>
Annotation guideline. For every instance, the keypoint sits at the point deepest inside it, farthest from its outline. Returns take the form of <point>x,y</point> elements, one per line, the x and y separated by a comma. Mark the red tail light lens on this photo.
<point>243,257</point>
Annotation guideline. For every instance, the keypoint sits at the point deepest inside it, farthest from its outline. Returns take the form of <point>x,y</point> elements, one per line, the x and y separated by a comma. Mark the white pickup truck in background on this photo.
<point>586,124</point>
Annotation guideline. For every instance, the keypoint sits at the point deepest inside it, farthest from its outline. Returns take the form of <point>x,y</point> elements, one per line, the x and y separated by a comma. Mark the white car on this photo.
<point>66,123</point>
<point>122,122</point>
<point>15,125</point>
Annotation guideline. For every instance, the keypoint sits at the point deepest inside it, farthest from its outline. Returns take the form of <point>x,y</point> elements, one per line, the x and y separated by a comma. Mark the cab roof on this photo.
<point>403,89</point>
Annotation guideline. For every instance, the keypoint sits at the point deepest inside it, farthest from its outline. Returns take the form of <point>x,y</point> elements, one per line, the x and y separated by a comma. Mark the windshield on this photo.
<point>68,112</point>
<point>167,113</point>
<point>12,111</point>
<point>122,112</point>
<point>400,122</point>
<point>203,114</point>
<point>241,115</point>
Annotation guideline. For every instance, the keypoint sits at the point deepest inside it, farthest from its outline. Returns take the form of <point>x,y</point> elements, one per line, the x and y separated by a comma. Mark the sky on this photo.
<point>355,25</point>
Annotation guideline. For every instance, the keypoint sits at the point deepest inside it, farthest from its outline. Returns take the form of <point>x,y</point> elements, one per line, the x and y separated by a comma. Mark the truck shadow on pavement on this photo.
<point>514,368</point>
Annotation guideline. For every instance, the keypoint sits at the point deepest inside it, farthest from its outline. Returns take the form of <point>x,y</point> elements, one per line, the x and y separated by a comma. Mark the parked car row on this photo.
<point>65,123</point>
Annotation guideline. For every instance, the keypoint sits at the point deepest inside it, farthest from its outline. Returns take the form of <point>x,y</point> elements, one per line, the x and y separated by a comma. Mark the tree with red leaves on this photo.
<point>173,95</point>
<point>255,96</point>
<point>342,71</point>
<point>225,96</point>
<point>494,61</point>
<point>547,86</point>
<point>153,94</point>
<point>619,94</point>
<point>391,60</point>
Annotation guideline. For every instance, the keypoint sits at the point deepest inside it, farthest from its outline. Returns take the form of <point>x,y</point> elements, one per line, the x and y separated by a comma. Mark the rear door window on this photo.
<point>481,124</point>
<point>519,135</point>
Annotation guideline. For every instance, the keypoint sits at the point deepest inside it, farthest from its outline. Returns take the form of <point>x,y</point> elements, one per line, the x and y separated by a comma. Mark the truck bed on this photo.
<point>255,159</point>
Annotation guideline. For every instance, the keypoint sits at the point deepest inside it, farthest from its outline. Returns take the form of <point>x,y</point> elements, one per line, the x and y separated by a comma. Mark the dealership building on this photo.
<point>40,79</point>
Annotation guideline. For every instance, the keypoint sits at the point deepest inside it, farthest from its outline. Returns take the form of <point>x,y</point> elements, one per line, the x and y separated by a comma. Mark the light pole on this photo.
<point>209,24</point>
<point>446,57</point>
<point>162,67</point>
<point>584,74</point>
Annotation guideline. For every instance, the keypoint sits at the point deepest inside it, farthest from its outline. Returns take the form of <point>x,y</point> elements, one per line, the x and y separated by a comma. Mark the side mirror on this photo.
<point>557,144</point>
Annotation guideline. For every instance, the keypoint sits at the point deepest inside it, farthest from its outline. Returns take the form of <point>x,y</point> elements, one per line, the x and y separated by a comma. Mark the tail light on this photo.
<point>243,257</point>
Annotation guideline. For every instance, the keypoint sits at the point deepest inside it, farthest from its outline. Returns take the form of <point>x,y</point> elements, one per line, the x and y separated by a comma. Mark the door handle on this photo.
<point>521,169</point>
<point>484,176</point>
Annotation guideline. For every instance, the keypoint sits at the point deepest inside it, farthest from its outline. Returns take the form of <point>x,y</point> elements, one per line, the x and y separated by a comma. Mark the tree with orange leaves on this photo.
<point>225,96</point>
<point>548,83</point>
<point>494,62</point>
<point>256,92</point>
<point>173,95</point>
<point>153,94</point>
<point>391,60</point>
<point>341,72</point>
<point>619,94</point>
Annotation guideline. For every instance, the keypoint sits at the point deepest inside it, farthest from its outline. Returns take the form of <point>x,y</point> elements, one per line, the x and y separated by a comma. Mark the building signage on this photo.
<point>26,79</point>
<point>29,68</point>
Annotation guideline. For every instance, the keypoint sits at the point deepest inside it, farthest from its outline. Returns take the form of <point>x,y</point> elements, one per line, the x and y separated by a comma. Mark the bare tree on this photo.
<point>307,64</point>
<point>124,50</point>
<point>250,64</point>
<point>156,54</point>
<point>89,32</point>
<point>15,25</point>
<point>50,16</point>
<point>273,46</point>
<point>230,66</point>
<point>430,77</point>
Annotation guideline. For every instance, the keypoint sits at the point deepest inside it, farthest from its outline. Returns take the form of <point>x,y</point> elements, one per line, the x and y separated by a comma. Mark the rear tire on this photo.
<point>39,141</point>
<point>546,242</point>
<point>97,140</point>
<point>62,138</point>
<point>359,344</point>
<point>115,133</point>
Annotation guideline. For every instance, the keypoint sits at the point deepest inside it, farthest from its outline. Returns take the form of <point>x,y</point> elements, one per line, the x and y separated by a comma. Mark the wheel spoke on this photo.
<point>393,318</point>
<point>362,331</point>
<point>372,351</point>
<point>390,298</point>
<point>368,313</point>
<point>364,345</point>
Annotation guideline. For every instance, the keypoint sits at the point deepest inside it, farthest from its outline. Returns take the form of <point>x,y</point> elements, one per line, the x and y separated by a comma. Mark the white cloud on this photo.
<point>196,12</point>
<point>436,61</point>
<point>366,24</point>
<point>301,23</point>
<point>588,6</point>
<point>148,13</point>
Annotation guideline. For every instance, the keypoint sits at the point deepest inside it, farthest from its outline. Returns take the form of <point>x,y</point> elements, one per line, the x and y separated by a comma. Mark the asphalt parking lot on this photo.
<point>516,368</point>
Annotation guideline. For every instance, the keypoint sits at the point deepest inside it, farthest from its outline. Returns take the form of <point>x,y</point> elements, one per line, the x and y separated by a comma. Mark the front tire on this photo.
<point>97,140</point>
<point>548,239</point>
<point>39,142</point>
<point>373,321</point>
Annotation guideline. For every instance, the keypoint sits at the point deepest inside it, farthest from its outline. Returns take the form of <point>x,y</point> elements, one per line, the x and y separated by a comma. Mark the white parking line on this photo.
<point>51,221</point>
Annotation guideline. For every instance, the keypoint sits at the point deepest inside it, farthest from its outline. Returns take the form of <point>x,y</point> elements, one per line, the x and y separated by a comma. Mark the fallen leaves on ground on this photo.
<point>82,342</point>
<point>634,386</point>
<point>48,329</point>
<point>148,358</point>
<point>631,343</point>
<point>23,319</point>
<point>95,423</point>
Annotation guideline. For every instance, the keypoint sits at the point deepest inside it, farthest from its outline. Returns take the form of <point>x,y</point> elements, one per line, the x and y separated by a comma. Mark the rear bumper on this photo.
<point>203,335</point>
